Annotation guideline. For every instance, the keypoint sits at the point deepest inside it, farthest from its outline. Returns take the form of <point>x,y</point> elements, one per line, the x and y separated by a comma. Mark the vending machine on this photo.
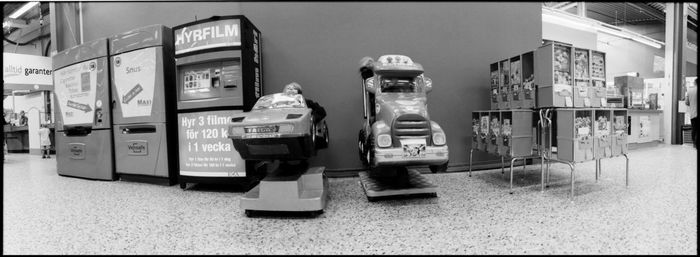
<point>516,133</point>
<point>619,132</point>
<point>218,75</point>
<point>553,75</point>
<point>475,130</point>
<point>575,134</point>
<point>483,130</point>
<point>528,76</point>
<point>143,103</point>
<point>504,82</point>
<point>514,97</point>
<point>82,113</point>
<point>495,73</point>
<point>494,132</point>
<point>582,78</point>
<point>598,99</point>
<point>602,133</point>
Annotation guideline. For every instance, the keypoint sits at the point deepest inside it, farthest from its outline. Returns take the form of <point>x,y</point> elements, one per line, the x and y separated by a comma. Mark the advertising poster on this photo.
<point>75,89</point>
<point>644,126</point>
<point>205,149</point>
<point>221,33</point>
<point>134,79</point>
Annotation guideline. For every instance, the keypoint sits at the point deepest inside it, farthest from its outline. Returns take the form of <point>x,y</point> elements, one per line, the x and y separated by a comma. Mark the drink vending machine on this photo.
<point>143,103</point>
<point>219,74</point>
<point>83,115</point>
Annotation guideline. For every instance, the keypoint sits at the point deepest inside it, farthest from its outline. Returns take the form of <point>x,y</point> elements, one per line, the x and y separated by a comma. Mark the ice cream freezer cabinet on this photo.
<point>144,113</point>
<point>82,113</point>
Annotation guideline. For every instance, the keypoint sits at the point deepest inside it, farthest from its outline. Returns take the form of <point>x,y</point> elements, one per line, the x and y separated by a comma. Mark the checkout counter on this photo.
<point>17,138</point>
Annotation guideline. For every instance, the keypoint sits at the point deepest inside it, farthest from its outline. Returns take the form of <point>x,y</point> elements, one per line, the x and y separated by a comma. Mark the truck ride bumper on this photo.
<point>434,155</point>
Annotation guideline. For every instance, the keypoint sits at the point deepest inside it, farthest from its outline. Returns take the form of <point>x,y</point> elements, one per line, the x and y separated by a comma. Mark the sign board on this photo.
<point>213,34</point>
<point>26,69</point>
<point>134,79</point>
<point>75,91</point>
<point>205,148</point>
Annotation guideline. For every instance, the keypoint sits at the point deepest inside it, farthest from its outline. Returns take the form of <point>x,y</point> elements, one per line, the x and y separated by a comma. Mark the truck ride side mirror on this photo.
<point>428,85</point>
<point>369,85</point>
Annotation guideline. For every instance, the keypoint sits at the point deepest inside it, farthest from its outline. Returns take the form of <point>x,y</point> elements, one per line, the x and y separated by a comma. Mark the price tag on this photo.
<point>586,102</point>
<point>604,102</point>
<point>568,102</point>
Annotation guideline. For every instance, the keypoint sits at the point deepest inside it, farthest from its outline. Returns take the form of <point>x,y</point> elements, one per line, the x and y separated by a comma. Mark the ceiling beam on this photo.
<point>650,11</point>
<point>559,5</point>
<point>568,6</point>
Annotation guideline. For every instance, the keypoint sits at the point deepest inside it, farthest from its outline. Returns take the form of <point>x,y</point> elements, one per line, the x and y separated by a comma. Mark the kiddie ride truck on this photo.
<point>282,132</point>
<point>397,131</point>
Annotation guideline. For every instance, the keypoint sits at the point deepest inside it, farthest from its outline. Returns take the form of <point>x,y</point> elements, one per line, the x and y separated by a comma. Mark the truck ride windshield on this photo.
<point>399,85</point>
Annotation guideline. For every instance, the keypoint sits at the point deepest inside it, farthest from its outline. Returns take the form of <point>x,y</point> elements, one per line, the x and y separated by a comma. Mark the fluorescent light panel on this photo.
<point>26,7</point>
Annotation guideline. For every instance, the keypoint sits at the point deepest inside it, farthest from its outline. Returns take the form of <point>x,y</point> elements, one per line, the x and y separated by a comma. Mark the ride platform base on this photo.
<point>414,185</point>
<point>288,191</point>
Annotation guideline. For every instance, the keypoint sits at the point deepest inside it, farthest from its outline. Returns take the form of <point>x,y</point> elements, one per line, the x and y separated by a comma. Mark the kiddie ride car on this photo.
<point>281,131</point>
<point>397,131</point>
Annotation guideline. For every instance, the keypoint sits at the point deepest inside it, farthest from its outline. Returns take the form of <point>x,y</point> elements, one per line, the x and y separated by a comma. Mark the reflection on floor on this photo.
<point>44,213</point>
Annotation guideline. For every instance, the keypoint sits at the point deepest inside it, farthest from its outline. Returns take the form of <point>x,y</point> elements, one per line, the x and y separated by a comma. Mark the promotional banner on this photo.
<point>26,69</point>
<point>134,79</point>
<point>205,148</point>
<point>75,91</point>
<point>207,35</point>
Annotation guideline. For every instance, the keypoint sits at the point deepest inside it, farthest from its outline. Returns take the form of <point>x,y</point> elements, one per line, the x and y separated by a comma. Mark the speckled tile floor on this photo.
<point>44,213</point>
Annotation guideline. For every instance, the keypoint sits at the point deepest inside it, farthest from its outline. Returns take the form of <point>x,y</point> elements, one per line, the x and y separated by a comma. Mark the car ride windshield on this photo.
<point>280,100</point>
<point>399,84</point>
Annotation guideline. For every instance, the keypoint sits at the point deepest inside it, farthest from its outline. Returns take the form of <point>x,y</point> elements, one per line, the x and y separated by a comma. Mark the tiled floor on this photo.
<point>44,213</point>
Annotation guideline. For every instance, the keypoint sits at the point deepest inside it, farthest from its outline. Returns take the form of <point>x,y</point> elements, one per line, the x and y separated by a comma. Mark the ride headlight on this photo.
<point>384,140</point>
<point>439,138</point>
<point>286,128</point>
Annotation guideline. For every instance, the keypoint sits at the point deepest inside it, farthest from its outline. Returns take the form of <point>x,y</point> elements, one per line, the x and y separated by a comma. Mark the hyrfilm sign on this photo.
<point>26,69</point>
<point>207,35</point>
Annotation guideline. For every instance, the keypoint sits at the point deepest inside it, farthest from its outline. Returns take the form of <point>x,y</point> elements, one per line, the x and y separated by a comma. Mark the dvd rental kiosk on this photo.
<point>219,74</point>
<point>143,103</point>
<point>83,116</point>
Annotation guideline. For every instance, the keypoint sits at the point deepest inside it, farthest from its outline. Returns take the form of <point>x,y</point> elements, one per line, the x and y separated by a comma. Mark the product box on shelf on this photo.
<point>599,96</point>
<point>553,75</point>
<point>527,97</point>
<point>475,129</point>
<point>504,82</point>
<point>495,73</point>
<point>516,133</point>
<point>602,135</point>
<point>515,96</point>
<point>494,132</point>
<point>631,90</point>
<point>483,130</point>
<point>619,132</point>
<point>574,134</point>
<point>582,78</point>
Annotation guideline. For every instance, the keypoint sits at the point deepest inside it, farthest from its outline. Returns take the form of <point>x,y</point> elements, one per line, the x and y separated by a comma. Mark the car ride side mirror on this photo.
<point>428,84</point>
<point>369,85</point>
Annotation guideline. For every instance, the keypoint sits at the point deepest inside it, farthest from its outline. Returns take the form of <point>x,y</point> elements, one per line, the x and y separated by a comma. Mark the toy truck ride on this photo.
<point>397,131</point>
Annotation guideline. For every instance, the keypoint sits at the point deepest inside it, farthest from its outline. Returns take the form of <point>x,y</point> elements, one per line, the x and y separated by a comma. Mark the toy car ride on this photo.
<point>397,131</point>
<point>282,131</point>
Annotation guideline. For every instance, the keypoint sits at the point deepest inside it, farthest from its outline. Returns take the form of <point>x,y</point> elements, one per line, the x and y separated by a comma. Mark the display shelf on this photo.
<point>553,75</point>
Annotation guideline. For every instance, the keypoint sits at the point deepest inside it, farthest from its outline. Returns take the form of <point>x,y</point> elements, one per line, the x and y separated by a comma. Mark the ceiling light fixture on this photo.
<point>26,7</point>
<point>574,21</point>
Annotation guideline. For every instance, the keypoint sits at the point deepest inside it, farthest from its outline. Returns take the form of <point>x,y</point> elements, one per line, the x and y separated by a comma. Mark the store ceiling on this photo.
<point>33,14</point>
<point>626,13</point>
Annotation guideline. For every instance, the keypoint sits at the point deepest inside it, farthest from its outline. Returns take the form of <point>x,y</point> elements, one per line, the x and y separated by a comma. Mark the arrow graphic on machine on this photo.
<point>79,106</point>
<point>132,93</point>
